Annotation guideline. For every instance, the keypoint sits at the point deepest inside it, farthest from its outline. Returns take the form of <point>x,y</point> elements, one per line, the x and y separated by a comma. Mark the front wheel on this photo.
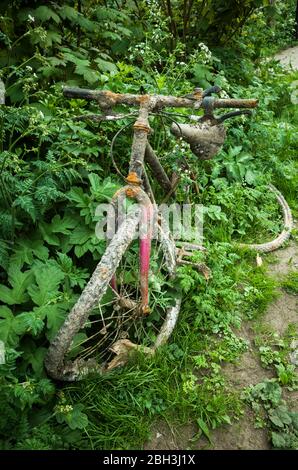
<point>106,322</point>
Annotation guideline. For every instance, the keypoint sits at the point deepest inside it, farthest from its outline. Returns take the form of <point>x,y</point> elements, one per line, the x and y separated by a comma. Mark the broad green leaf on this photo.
<point>48,279</point>
<point>31,322</point>
<point>43,13</point>
<point>74,418</point>
<point>64,225</point>
<point>203,426</point>
<point>55,319</point>
<point>106,66</point>
<point>19,282</point>
<point>80,235</point>
<point>11,326</point>
<point>35,357</point>
<point>78,196</point>
<point>27,249</point>
<point>278,440</point>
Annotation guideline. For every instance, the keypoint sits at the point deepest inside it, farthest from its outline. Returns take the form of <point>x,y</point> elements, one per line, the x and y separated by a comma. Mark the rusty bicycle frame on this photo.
<point>137,188</point>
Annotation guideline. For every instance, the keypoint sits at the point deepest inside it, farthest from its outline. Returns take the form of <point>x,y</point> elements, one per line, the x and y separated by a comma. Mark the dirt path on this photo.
<point>242,434</point>
<point>288,57</point>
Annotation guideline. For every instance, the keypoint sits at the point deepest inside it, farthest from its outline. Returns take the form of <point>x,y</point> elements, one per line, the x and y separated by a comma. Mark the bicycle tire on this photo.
<point>286,232</point>
<point>56,363</point>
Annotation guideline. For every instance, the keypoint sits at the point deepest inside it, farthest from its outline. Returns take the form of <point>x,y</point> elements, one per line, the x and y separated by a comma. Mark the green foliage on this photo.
<point>54,171</point>
<point>271,410</point>
<point>291,282</point>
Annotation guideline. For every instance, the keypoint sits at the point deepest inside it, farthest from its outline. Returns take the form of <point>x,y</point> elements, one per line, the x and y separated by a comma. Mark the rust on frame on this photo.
<point>142,99</point>
<point>113,96</point>
<point>133,178</point>
<point>139,126</point>
<point>132,192</point>
<point>198,93</point>
<point>145,309</point>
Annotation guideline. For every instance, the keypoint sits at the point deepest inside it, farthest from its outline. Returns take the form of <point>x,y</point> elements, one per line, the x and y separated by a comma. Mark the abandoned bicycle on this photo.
<point>131,301</point>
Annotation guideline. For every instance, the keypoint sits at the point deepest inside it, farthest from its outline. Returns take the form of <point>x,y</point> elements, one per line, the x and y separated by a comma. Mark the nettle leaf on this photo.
<point>48,279</point>
<point>19,282</point>
<point>74,418</point>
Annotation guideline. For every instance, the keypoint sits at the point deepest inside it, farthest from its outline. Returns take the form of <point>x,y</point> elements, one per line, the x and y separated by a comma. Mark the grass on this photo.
<point>291,282</point>
<point>184,382</point>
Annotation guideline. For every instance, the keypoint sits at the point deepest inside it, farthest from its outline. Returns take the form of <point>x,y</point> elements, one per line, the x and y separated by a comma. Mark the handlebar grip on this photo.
<point>82,93</point>
<point>234,103</point>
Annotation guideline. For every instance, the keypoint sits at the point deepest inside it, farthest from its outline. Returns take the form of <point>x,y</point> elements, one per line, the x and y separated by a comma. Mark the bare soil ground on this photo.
<point>241,434</point>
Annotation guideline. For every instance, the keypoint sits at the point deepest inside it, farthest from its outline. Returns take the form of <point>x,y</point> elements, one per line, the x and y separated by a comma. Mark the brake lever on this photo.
<point>210,90</point>
<point>222,118</point>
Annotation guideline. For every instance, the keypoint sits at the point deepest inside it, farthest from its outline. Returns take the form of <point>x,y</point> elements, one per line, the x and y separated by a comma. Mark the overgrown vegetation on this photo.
<point>55,170</point>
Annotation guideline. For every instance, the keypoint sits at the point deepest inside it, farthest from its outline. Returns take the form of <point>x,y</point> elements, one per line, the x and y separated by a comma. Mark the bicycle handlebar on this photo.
<point>107,99</point>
